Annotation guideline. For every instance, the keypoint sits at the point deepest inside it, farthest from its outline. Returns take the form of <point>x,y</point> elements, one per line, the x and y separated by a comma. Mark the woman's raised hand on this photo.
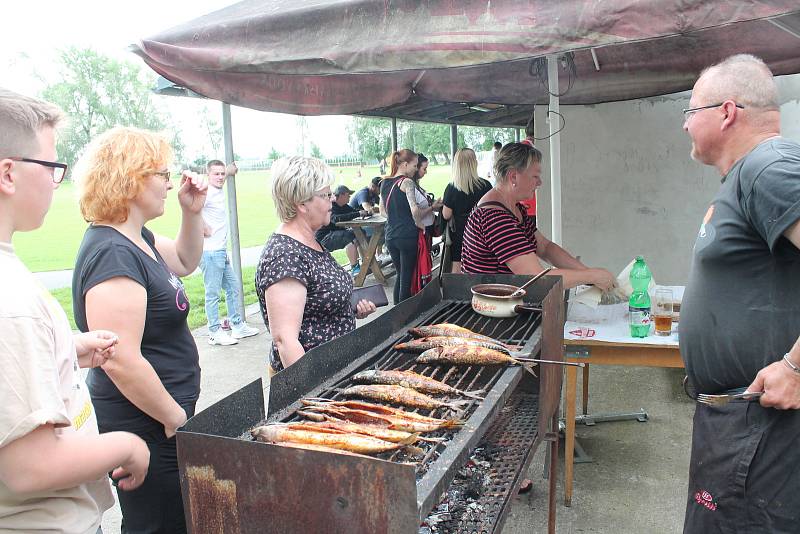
<point>192,192</point>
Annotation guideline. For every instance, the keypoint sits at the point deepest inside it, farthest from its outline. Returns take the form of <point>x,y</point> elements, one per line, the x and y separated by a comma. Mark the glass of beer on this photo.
<point>662,312</point>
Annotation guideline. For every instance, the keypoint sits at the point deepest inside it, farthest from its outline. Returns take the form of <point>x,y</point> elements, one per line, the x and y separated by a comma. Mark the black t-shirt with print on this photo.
<point>167,343</point>
<point>327,313</point>
<point>741,308</point>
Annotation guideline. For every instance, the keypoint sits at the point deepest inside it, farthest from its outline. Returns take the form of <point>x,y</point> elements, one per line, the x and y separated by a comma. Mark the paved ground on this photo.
<point>636,483</point>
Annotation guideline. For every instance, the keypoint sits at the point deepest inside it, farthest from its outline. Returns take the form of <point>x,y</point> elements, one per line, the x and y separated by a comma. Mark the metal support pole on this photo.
<point>394,134</point>
<point>233,212</point>
<point>555,148</point>
<point>516,135</point>
<point>453,139</point>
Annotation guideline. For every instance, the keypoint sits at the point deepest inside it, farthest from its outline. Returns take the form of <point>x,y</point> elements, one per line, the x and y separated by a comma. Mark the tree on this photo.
<point>480,139</point>
<point>315,151</point>
<point>98,93</point>
<point>432,139</point>
<point>274,154</point>
<point>370,139</point>
<point>213,129</point>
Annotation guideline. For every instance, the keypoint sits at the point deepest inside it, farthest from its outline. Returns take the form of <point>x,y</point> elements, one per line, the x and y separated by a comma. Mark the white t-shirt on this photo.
<point>422,201</point>
<point>215,215</point>
<point>41,384</point>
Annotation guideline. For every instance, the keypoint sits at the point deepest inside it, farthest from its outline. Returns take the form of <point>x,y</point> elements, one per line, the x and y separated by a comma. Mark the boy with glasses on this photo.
<point>53,463</point>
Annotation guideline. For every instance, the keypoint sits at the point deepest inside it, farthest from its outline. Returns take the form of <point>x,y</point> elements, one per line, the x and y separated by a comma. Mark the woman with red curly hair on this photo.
<point>126,280</point>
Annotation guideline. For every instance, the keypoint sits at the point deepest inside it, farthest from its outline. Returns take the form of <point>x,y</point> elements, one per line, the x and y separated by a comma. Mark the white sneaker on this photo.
<point>241,330</point>
<point>220,337</point>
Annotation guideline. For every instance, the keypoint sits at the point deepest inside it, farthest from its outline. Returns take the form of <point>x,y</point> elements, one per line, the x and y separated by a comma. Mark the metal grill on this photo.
<point>510,440</point>
<point>518,331</point>
<point>264,482</point>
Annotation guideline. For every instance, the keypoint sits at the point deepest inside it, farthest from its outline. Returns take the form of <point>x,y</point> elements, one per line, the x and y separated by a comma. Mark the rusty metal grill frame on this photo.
<point>498,381</point>
<point>366,494</point>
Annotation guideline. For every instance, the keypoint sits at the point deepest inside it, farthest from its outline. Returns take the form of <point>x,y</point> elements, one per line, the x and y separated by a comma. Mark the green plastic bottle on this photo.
<point>639,303</point>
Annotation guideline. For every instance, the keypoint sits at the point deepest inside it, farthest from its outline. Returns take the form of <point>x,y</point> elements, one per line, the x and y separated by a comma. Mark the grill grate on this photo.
<point>507,446</point>
<point>517,331</point>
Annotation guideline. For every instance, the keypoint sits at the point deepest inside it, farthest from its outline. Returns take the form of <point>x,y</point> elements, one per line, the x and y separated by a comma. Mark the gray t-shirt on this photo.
<point>741,308</point>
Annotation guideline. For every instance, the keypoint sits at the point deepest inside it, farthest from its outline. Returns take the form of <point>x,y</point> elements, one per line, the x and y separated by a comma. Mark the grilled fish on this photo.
<point>377,429</point>
<point>424,343</point>
<point>359,443</point>
<point>453,330</point>
<point>399,395</point>
<point>410,379</point>
<point>380,432</point>
<point>394,421</point>
<point>466,356</point>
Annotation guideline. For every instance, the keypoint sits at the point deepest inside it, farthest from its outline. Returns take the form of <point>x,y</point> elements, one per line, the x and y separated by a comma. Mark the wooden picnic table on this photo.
<point>367,249</point>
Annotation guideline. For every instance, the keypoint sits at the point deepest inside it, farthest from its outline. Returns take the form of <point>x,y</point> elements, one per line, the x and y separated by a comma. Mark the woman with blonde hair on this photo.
<point>405,218</point>
<point>460,198</point>
<point>304,294</point>
<point>126,280</point>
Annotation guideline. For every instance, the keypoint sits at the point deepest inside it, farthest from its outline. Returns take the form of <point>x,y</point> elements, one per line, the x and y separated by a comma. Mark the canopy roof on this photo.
<point>474,62</point>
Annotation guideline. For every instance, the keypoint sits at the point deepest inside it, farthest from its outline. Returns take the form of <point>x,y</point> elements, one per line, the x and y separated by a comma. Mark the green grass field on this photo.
<point>53,247</point>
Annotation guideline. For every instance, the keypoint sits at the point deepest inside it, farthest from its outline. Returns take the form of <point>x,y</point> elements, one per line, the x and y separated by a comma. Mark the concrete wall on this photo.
<point>629,186</point>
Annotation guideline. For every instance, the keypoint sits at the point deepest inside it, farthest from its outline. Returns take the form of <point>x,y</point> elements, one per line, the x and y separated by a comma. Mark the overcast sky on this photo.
<point>34,30</point>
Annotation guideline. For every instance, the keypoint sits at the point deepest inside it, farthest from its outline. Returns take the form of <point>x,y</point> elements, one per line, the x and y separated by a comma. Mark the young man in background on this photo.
<point>216,266</point>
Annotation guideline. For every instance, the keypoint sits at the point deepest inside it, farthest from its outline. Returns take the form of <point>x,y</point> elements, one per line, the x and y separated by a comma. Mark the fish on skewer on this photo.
<point>418,424</point>
<point>464,355</point>
<point>400,395</point>
<point>374,429</point>
<point>453,330</point>
<point>410,379</point>
<point>356,404</point>
<point>359,443</point>
<point>388,421</point>
<point>471,356</point>
<point>424,343</point>
<point>382,409</point>
<point>386,434</point>
<point>479,356</point>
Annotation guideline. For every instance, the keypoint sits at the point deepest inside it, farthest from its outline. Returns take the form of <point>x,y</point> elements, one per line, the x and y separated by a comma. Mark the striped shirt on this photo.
<point>493,237</point>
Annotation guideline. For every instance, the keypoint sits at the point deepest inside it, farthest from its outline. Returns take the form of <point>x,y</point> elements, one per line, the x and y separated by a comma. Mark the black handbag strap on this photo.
<point>389,196</point>
<point>495,203</point>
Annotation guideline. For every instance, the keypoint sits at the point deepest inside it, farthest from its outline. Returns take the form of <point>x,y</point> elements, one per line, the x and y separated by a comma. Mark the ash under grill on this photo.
<point>499,462</point>
<point>385,494</point>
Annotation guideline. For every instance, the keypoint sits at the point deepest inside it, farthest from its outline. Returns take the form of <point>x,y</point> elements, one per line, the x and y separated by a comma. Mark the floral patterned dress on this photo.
<point>327,313</point>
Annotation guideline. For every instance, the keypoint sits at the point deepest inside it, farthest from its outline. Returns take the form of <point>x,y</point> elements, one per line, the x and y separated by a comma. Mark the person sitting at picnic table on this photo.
<point>367,198</point>
<point>500,237</point>
<point>303,293</point>
<point>460,197</point>
<point>333,237</point>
